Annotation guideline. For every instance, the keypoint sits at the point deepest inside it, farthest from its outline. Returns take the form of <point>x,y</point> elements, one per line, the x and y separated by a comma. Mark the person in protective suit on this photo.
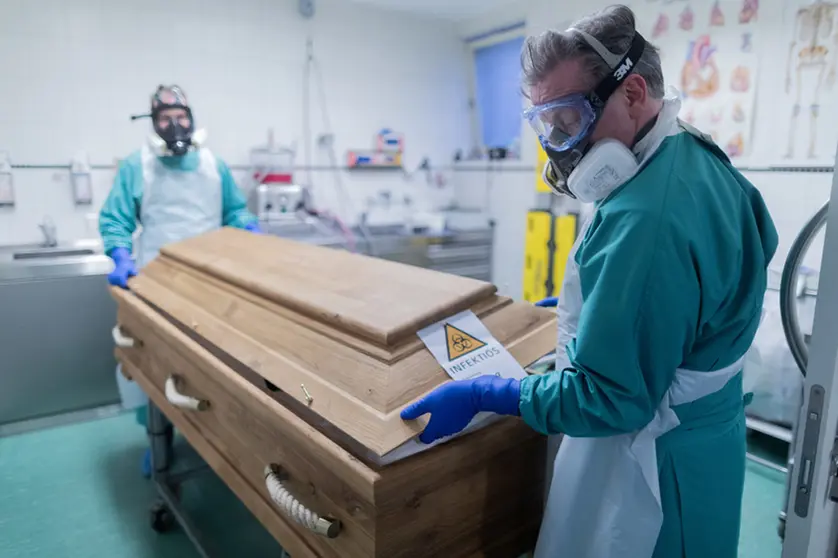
<point>172,186</point>
<point>176,190</point>
<point>662,298</point>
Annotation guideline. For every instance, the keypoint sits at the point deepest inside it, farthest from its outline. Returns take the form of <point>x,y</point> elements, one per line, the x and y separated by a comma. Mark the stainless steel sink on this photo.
<point>25,262</point>
<point>47,253</point>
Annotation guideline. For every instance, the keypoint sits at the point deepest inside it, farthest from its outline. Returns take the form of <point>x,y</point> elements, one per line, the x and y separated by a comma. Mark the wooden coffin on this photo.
<point>301,358</point>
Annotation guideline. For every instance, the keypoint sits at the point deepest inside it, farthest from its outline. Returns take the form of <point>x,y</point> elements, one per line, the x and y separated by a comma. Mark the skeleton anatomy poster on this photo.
<point>709,53</point>
<point>811,108</point>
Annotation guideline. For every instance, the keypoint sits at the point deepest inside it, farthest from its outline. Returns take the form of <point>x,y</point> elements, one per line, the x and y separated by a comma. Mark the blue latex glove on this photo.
<point>550,302</point>
<point>453,405</point>
<point>253,227</point>
<point>123,267</point>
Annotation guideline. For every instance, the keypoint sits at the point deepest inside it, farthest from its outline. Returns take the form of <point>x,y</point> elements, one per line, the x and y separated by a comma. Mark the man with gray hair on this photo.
<point>662,298</point>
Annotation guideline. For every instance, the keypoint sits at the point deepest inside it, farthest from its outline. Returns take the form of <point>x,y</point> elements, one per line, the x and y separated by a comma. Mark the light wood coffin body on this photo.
<point>305,356</point>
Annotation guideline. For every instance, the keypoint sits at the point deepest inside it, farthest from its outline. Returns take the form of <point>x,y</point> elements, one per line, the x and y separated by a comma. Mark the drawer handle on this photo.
<point>292,507</point>
<point>182,401</point>
<point>121,340</point>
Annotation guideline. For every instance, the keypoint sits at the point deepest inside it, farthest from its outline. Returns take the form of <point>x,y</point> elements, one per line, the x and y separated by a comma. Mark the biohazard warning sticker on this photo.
<point>460,343</point>
<point>465,348</point>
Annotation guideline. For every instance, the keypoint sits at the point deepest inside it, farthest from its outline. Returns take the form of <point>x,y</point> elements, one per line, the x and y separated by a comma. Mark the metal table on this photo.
<point>466,253</point>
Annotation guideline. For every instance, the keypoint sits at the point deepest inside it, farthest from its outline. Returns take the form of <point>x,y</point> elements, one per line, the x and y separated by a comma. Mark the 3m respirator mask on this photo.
<point>578,168</point>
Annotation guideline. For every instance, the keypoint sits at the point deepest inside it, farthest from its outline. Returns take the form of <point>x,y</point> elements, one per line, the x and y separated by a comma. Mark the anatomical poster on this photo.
<point>709,53</point>
<point>810,110</point>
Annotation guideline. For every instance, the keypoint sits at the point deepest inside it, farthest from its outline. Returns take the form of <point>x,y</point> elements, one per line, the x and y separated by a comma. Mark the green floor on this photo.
<point>76,492</point>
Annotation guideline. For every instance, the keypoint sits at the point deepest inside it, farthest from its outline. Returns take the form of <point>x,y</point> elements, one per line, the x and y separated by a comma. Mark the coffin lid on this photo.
<point>333,330</point>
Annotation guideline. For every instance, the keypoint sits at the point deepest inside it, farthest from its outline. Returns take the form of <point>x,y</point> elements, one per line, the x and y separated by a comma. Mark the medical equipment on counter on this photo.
<point>361,159</point>
<point>81,179</point>
<point>274,202</point>
<point>286,210</point>
<point>273,195</point>
<point>273,163</point>
<point>388,140</point>
<point>389,148</point>
<point>7,185</point>
<point>282,205</point>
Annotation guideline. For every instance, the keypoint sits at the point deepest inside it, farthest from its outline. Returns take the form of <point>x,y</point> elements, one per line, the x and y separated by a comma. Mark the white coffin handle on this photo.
<point>121,340</point>
<point>182,401</point>
<point>292,507</point>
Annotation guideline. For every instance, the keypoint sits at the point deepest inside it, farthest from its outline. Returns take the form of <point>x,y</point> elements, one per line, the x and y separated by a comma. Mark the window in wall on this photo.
<point>498,73</point>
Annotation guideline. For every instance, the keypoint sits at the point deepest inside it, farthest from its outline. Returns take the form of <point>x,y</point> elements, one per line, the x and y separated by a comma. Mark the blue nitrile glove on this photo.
<point>123,267</point>
<point>550,302</point>
<point>453,405</point>
<point>253,227</point>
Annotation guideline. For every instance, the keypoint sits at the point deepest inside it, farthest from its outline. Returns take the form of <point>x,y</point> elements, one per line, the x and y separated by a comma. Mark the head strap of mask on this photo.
<point>621,68</point>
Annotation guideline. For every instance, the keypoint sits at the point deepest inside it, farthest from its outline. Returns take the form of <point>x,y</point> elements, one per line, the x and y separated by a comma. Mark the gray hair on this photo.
<point>614,27</point>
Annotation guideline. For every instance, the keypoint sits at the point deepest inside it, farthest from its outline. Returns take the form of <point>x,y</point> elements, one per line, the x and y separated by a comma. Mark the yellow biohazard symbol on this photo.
<point>460,343</point>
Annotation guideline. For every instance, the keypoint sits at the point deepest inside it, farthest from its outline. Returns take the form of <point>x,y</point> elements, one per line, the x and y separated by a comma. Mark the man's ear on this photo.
<point>635,89</point>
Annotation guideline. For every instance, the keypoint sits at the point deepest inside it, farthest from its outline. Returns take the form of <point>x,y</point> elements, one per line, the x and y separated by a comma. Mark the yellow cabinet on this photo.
<point>548,242</point>
<point>564,235</point>
<point>537,255</point>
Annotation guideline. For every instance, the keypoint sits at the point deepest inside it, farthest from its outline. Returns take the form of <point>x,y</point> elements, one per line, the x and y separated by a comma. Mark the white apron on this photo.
<point>176,205</point>
<point>606,502</point>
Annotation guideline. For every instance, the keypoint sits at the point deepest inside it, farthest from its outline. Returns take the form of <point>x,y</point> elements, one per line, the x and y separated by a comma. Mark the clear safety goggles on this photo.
<point>563,123</point>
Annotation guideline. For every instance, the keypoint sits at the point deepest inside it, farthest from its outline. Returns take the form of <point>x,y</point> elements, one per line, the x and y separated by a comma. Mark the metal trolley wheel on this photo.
<point>791,326</point>
<point>161,517</point>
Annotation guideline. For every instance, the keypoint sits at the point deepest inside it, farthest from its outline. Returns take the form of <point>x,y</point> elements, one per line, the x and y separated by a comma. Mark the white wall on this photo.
<point>75,71</point>
<point>791,197</point>
<point>491,20</point>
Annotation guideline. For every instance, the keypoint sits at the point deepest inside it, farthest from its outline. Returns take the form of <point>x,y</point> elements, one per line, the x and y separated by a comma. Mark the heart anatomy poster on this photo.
<point>709,53</point>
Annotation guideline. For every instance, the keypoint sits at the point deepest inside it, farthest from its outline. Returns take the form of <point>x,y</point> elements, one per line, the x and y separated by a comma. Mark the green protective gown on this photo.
<point>120,213</point>
<point>673,271</point>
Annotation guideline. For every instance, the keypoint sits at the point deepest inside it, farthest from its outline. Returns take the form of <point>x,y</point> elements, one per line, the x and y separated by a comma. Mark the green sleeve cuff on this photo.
<point>528,404</point>
<point>110,245</point>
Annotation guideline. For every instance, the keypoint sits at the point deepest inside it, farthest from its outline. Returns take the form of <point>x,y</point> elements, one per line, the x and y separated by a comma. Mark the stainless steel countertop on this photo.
<point>382,238</point>
<point>28,262</point>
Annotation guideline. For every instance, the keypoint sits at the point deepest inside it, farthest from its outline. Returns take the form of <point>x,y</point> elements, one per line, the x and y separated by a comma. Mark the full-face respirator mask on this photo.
<point>577,167</point>
<point>174,134</point>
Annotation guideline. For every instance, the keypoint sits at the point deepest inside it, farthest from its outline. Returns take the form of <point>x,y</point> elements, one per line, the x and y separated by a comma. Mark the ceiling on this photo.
<point>452,10</point>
